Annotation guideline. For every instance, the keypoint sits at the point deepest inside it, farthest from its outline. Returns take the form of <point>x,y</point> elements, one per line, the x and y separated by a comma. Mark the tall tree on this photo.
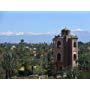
<point>8,63</point>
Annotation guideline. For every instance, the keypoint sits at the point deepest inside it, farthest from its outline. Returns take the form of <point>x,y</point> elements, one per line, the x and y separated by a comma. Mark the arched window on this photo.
<point>75,56</point>
<point>75,44</point>
<point>58,57</point>
<point>58,44</point>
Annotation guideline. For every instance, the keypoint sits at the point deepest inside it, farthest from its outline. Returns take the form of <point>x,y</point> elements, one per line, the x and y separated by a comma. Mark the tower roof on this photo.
<point>65,29</point>
<point>65,32</point>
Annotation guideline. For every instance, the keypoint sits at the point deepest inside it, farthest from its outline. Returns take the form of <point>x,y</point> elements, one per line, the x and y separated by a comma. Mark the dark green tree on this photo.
<point>9,63</point>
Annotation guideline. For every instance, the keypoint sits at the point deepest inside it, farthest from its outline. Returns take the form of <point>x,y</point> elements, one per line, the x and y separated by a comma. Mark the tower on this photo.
<point>65,50</point>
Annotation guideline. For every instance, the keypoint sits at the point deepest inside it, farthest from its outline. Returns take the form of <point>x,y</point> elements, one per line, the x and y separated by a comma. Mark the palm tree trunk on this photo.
<point>7,74</point>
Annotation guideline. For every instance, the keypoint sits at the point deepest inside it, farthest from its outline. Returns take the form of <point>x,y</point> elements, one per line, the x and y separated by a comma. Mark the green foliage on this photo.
<point>38,59</point>
<point>84,75</point>
<point>38,70</point>
<point>73,73</point>
<point>84,56</point>
<point>8,62</point>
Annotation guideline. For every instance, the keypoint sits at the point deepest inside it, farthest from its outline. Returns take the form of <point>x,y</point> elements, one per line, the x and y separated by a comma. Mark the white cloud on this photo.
<point>24,33</point>
<point>7,33</point>
<point>78,30</point>
<point>47,33</point>
<point>19,33</point>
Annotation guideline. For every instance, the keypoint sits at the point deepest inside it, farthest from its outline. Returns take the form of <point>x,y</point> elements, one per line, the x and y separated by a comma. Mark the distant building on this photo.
<point>65,50</point>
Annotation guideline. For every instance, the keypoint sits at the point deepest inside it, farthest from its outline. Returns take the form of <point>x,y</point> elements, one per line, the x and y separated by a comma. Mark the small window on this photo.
<point>58,57</point>
<point>75,44</point>
<point>58,44</point>
<point>75,56</point>
<point>60,68</point>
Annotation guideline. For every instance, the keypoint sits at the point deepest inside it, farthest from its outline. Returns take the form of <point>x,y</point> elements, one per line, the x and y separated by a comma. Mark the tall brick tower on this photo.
<point>65,50</point>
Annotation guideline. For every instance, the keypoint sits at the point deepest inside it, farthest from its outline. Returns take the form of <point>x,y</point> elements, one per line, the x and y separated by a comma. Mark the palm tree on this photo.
<point>8,63</point>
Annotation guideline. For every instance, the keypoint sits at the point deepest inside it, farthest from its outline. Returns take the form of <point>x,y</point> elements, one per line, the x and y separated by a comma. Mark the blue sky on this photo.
<point>37,23</point>
<point>43,21</point>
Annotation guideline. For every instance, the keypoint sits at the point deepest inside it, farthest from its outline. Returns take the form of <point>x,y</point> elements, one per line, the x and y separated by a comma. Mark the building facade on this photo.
<point>65,50</point>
